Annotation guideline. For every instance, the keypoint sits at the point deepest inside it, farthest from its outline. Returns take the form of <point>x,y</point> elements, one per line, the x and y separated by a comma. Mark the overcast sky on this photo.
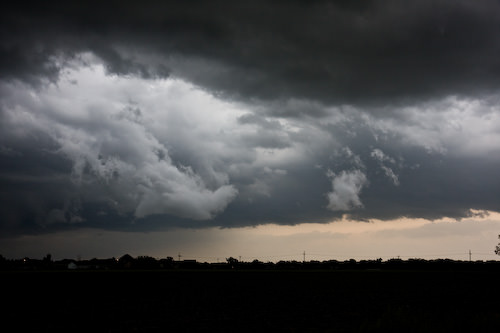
<point>228,120</point>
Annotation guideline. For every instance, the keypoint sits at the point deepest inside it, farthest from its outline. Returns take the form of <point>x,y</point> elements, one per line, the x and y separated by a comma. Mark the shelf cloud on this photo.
<point>196,114</point>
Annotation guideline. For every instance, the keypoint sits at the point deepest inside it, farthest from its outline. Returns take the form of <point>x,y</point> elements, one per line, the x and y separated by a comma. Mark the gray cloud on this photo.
<point>378,52</point>
<point>217,114</point>
<point>113,153</point>
<point>381,158</point>
<point>347,187</point>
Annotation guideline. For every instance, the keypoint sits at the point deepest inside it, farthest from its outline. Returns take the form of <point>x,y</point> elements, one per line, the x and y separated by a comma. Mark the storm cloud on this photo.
<point>194,114</point>
<point>329,51</point>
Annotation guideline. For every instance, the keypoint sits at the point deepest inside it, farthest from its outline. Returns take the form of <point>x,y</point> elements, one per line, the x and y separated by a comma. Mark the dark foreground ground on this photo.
<point>236,301</point>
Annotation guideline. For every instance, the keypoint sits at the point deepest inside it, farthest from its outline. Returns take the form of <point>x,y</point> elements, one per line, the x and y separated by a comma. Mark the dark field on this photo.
<point>161,301</point>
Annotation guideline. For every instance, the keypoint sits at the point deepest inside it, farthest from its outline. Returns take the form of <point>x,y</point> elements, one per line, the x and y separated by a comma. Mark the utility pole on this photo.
<point>179,256</point>
<point>304,256</point>
<point>470,256</point>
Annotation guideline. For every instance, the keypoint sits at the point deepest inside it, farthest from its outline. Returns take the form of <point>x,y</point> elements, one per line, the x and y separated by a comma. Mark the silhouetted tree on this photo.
<point>146,262</point>
<point>126,261</point>
<point>3,262</point>
<point>47,261</point>
<point>497,249</point>
<point>232,261</point>
<point>167,262</point>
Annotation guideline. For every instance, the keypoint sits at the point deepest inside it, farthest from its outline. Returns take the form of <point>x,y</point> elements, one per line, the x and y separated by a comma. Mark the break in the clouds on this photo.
<point>221,114</point>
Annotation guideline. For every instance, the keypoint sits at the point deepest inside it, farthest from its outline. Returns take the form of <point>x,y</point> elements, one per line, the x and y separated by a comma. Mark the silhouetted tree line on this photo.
<point>127,262</point>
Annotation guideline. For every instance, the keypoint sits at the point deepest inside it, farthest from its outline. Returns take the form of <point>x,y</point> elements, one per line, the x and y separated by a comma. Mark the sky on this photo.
<point>256,129</point>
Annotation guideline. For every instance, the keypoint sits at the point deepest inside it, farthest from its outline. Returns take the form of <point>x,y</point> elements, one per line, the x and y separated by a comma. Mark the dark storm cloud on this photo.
<point>302,111</point>
<point>377,51</point>
<point>34,185</point>
<point>109,167</point>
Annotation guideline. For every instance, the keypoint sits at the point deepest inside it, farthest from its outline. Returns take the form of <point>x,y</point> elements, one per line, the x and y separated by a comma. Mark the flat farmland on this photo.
<point>239,300</point>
